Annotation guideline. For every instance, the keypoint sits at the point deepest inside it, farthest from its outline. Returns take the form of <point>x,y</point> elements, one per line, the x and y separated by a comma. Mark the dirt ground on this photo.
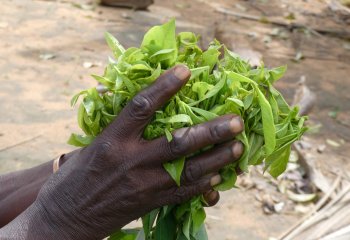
<point>44,46</point>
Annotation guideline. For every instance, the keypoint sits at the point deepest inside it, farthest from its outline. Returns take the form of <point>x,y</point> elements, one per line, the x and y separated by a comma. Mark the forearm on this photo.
<point>54,218</point>
<point>38,223</point>
<point>20,227</point>
<point>33,224</point>
<point>20,189</point>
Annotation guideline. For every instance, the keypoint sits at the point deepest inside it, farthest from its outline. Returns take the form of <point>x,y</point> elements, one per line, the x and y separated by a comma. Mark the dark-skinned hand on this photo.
<point>120,176</point>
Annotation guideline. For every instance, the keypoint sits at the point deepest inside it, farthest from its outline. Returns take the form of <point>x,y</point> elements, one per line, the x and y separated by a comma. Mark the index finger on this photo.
<point>138,112</point>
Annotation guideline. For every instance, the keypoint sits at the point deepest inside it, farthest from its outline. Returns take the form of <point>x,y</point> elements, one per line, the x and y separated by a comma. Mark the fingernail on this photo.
<point>237,150</point>
<point>182,72</point>
<point>236,125</point>
<point>215,180</point>
<point>207,194</point>
<point>211,195</point>
<point>211,198</point>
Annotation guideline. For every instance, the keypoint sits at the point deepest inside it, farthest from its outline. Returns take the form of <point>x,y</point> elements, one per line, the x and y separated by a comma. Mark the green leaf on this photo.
<point>187,38</point>
<point>148,222</point>
<point>281,132</point>
<point>151,78</point>
<point>165,210</point>
<point>92,124</point>
<point>206,114</point>
<point>229,177</point>
<point>210,58</point>
<point>276,73</point>
<point>211,92</point>
<point>244,160</point>
<point>114,44</point>
<point>104,81</point>
<point>129,85</point>
<point>255,142</point>
<point>110,72</point>
<point>238,102</point>
<point>81,122</point>
<point>196,72</point>
<point>248,100</point>
<point>201,234</point>
<point>168,135</point>
<point>198,217</point>
<point>274,108</point>
<point>174,168</point>
<point>277,162</point>
<point>159,38</point>
<point>182,209</point>
<point>282,104</point>
<point>185,109</point>
<point>201,88</point>
<point>268,123</point>
<point>76,97</point>
<point>186,226</point>
<point>79,140</point>
<point>124,235</point>
<point>140,67</point>
<point>281,142</point>
<point>161,55</point>
<point>165,228</point>
<point>179,118</point>
<point>216,88</point>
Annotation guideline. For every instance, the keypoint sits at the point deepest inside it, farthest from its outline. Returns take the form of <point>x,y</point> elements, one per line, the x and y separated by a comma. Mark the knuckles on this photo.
<point>104,154</point>
<point>180,195</point>
<point>193,171</point>
<point>103,150</point>
<point>181,143</point>
<point>215,133</point>
<point>140,106</point>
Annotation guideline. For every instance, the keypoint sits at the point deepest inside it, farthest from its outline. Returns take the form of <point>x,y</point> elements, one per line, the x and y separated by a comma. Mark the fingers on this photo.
<point>192,139</point>
<point>183,193</point>
<point>206,163</point>
<point>211,197</point>
<point>211,161</point>
<point>141,108</point>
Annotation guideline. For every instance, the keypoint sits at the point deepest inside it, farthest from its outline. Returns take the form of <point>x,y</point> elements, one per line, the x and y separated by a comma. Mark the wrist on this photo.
<point>51,225</point>
<point>62,209</point>
<point>44,223</point>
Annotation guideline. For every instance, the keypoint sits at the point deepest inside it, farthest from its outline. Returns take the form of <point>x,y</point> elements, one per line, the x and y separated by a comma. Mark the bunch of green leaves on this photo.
<point>221,83</point>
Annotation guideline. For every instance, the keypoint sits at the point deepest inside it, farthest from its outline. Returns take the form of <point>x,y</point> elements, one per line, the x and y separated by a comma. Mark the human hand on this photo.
<point>120,176</point>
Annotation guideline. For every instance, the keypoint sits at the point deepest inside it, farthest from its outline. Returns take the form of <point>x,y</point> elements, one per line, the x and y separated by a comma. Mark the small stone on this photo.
<point>278,207</point>
<point>321,148</point>
<point>47,56</point>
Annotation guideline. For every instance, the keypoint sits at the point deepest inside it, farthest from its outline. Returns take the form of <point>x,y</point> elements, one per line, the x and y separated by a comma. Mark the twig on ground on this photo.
<point>336,32</point>
<point>336,234</point>
<point>314,219</point>
<point>329,210</point>
<point>316,208</point>
<point>19,143</point>
<point>322,230</point>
